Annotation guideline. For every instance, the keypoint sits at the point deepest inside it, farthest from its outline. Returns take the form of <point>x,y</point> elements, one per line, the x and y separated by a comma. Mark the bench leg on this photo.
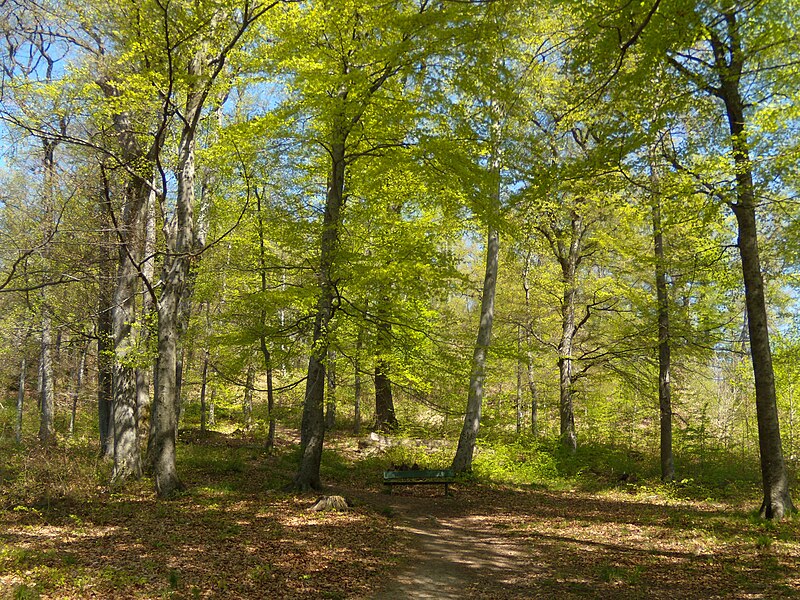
<point>446,492</point>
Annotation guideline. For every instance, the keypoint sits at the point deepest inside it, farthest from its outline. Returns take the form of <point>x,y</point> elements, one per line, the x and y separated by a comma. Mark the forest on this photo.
<point>544,244</point>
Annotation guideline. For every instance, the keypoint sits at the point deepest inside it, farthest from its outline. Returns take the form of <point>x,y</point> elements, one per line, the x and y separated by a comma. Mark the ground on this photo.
<point>235,535</point>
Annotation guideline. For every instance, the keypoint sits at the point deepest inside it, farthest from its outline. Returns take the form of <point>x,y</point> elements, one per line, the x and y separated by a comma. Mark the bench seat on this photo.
<point>420,477</point>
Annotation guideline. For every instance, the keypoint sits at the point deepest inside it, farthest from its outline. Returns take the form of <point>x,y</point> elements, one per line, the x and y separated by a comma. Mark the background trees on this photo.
<point>262,192</point>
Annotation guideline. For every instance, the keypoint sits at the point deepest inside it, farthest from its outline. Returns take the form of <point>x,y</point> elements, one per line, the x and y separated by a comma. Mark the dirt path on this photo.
<point>453,555</point>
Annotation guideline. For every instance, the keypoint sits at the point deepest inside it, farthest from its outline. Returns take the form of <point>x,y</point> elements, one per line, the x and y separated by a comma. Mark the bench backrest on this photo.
<point>431,474</point>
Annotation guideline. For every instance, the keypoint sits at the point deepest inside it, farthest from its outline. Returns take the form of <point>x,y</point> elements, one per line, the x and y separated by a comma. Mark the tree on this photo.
<point>356,67</point>
<point>734,46</point>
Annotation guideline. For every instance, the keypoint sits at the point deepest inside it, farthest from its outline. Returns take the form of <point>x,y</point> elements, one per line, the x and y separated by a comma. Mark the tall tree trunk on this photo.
<point>777,502</point>
<point>78,387</point>
<point>212,417</point>
<point>247,403</point>
<point>127,459</point>
<point>469,432</point>
<point>270,443</point>
<point>664,362</point>
<point>529,348</point>
<point>312,432</point>
<point>20,399</point>
<point>462,461</point>
<point>518,395</point>
<point>330,409</point>
<point>569,259</point>
<point>164,416</point>
<point>203,384</point>
<point>566,410</point>
<point>179,372</point>
<point>262,254</point>
<point>144,373</point>
<point>385,418</point>
<point>185,237</point>
<point>104,370</point>
<point>179,234</point>
<point>357,382</point>
<point>312,428</point>
<point>46,402</point>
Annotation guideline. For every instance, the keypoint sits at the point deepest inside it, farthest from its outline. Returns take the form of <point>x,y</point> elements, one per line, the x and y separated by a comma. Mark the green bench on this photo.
<point>420,477</point>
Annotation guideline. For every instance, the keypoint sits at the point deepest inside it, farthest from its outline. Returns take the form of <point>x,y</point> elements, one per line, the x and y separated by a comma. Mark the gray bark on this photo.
<point>183,237</point>
<point>127,459</point>
<point>346,116</point>
<point>247,403</point>
<point>330,409</point>
<point>46,402</point>
<point>385,418</point>
<point>270,443</point>
<point>212,419</point>
<point>729,62</point>
<point>357,382</point>
<point>462,461</point>
<point>144,374</point>
<point>518,394</point>
<point>20,400</point>
<point>529,349</point>
<point>469,432</point>
<point>312,432</point>
<point>104,372</point>
<point>664,361</point>
<point>566,242</point>
<point>203,386</point>
<point>179,235</point>
<point>262,253</point>
<point>78,387</point>
<point>569,265</point>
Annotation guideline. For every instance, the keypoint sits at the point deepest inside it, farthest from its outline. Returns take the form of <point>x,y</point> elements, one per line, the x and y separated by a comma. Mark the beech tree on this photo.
<point>357,67</point>
<point>735,45</point>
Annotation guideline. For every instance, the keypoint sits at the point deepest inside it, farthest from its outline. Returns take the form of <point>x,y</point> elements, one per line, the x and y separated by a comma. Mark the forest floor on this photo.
<point>232,534</point>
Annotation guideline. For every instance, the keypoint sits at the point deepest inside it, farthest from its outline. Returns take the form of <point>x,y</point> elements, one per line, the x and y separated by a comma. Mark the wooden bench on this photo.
<point>442,476</point>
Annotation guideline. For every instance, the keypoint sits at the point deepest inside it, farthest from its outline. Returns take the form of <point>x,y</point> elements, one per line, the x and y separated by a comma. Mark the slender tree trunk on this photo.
<point>179,368</point>
<point>203,383</point>
<point>357,382</point>
<point>533,395</point>
<point>104,373</point>
<point>270,444</point>
<point>184,239</point>
<point>330,410</point>
<point>47,404</point>
<point>569,258</point>
<point>664,362</point>
<point>262,253</point>
<point>144,373</point>
<point>566,410</point>
<point>20,399</point>
<point>312,432</point>
<point>385,417</point>
<point>777,502</point>
<point>247,403</point>
<point>179,235</point>
<point>529,349</point>
<point>462,461</point>
<point>47,375</point>
<point>469,433</point>
<point>518,396</point>
<point>212,418</point>
<point>78,388</point>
